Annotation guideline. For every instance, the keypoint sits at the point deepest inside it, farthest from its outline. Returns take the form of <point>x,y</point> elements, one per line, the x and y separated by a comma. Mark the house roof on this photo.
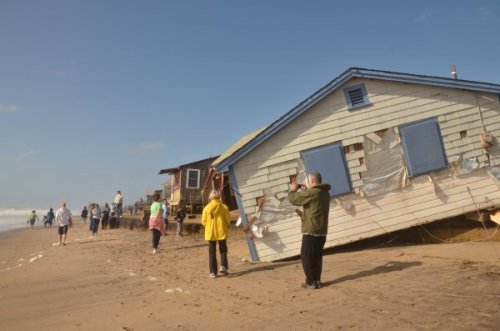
<point>175,169</point>
<point>240,143</point>
<point>240,149</point>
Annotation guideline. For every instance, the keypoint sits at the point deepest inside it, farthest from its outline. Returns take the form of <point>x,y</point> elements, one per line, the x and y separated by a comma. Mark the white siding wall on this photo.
<point>269,166</point>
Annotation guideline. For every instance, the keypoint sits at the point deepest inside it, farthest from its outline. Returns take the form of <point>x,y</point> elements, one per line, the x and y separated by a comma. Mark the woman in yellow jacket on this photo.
<point>215,219</point>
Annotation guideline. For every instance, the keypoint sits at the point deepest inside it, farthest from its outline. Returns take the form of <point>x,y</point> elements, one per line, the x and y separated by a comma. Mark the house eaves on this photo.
<point>224,164</point>
<point>235,147</point>
<point>175,169</point>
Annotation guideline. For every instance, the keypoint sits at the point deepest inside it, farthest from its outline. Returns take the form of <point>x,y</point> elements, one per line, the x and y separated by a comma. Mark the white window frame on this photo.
<point>188,172</point>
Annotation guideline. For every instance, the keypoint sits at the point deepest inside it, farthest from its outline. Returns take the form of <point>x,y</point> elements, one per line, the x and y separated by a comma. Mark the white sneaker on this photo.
<point>212,275</point>
<point>154,251</point>
<point>223,270</point>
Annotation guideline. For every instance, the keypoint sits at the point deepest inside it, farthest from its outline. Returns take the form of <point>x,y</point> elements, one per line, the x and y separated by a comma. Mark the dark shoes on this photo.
<point>311,286</point>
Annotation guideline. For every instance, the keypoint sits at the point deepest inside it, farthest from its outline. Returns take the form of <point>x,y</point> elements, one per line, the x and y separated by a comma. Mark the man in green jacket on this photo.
<point>315,201</point>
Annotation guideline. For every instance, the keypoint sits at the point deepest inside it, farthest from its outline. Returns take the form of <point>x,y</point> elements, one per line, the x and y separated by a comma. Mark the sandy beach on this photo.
<point>114,282</point>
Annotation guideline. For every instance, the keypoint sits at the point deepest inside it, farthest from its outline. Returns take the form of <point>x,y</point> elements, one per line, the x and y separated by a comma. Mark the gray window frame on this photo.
<point>412,152</point>
<point>331,175</point>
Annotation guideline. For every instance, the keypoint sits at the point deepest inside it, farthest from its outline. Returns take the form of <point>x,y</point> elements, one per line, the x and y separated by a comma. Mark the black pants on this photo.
<point>311,254</point>
<point>104,222</point>
<point>156,238</point>
<point>212,255</point>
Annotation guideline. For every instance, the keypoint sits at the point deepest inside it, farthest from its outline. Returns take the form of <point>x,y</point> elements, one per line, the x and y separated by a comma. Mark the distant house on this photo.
<point>187,183</point>
<point>398,149</point>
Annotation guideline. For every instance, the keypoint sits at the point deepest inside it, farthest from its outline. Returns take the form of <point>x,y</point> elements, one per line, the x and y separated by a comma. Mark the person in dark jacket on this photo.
<point>179,217</point>
<point>315,201</point>
<point>84,215</point>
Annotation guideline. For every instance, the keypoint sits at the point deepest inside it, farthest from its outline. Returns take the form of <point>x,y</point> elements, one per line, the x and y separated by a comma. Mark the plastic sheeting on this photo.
<point>274,209</point>
<point>384,163</point>
<point>494,172</point>
<point>464,166</point>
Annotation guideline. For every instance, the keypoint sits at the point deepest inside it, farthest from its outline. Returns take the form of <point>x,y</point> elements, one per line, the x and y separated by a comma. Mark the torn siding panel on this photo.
<point>354,155</point>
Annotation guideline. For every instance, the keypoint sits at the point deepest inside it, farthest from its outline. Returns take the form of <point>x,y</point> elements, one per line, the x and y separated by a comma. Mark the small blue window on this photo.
<point>330,162</point>
<point>423,147</point>
<point>356,96</point>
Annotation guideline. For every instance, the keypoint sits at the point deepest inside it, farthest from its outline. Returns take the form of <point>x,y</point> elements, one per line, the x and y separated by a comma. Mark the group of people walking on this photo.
<point>215,219</point>
<point>314,198</point>
<point>104,216</point>
<point>47,219</point>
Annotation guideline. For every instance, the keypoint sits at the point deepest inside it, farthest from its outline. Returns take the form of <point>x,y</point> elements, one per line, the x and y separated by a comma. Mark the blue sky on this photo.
<point>97,96</point>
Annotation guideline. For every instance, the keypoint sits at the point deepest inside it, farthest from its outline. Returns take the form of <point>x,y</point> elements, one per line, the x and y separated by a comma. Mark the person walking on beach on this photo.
<point>119,203</point>
<point>156,222</point>
<point>84,215</point>
<point>50,218</point>
<point>315,201</point>
<point>105,217</point>
<point>215,218</point>
<point>32,218</point>
<point>63,220</point>
<point>96,217</point>
<point>179,217</point>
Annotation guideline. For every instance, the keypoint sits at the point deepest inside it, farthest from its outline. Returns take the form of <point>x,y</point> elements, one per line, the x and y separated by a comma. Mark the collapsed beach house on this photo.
<point>398,149</point>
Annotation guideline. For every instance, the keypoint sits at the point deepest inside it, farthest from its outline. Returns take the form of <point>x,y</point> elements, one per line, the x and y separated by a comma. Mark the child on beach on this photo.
<point>32,218</point>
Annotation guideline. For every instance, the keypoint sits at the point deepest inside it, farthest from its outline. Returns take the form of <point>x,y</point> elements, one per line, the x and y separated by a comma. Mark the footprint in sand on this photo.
<point>130,272</point>
<point>176,290</point>
<point>151,278</point>
<point>34,258</point>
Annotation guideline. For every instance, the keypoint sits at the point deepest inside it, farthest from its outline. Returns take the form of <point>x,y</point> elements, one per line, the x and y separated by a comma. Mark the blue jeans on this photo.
<point>94,225</point>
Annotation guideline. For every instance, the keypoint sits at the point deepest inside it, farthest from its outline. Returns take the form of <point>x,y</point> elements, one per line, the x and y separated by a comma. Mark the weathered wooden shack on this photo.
<point>187,183</point>
<point>399,150</point>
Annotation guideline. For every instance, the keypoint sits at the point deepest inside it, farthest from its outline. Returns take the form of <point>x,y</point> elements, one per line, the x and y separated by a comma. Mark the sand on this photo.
<point>114,282</point>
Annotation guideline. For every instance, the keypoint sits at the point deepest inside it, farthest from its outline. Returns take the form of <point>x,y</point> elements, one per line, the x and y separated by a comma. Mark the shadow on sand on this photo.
<point>381,269</point>
<point>271,266</point>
